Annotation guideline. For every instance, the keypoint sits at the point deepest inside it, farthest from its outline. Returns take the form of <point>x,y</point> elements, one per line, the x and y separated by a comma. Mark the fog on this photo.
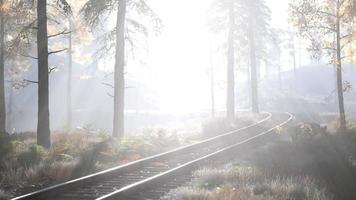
<point>167,76</point>
<point>174,100</point>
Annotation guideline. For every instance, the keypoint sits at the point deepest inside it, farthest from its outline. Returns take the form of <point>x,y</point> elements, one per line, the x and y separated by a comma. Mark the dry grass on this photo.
<point>25,166</point>
<point>246,183</point>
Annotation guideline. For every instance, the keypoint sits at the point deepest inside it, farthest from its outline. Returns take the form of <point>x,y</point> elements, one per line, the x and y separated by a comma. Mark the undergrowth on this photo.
<point>313,151</point>
<point>25,166</point>
<point>246,183</point>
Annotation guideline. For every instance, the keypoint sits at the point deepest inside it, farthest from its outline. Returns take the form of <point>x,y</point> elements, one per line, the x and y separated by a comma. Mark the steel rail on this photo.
<point>124,192</point>
<point>108,173</point>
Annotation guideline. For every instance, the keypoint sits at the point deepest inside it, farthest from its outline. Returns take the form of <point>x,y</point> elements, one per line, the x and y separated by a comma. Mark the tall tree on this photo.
<point>224,18</point>
<point>43,121</point>
<point>119,79</point>
<point>2,69</point>
<point>212,80</point>
<point>258,16</point>
<point>230,100</point>
<point>126,28</point>
<point>321,22</point>
<point>43,127</point>
<point>69,76</point>
<point>245,22</point>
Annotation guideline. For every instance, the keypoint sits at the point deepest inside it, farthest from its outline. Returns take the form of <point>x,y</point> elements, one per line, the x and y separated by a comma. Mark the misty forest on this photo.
<point>178,100</point>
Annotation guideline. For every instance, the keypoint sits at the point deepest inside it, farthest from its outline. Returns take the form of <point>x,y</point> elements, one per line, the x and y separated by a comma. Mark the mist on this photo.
<point>143,99</point>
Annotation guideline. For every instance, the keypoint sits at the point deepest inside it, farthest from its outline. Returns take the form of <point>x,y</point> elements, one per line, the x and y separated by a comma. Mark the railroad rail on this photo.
<point>124,181</point>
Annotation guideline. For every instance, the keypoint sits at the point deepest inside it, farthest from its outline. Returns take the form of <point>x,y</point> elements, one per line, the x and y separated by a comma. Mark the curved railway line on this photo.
<point>126,181</point>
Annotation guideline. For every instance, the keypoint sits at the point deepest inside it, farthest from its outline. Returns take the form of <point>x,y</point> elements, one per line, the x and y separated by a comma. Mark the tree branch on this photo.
<point>29,81</point>
<point>345,36</point>
<point>110,95</point>
<point>109,85</point>
<point>60,33</point>
<point>58,51</point>
<point>320,27</point>
<point>51,69</point>
<point>29,56</point>
<point>326,13</point>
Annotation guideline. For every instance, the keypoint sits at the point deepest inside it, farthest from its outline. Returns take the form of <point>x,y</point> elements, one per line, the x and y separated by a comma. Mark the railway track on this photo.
<point>125,181</point>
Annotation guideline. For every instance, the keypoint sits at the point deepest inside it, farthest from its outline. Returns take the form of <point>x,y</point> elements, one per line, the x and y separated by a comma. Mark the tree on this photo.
<point>258,16</point>
<point>321,22</point>
<point>245,22</point>
<point>276,40</point>
<point>12,17</point>
<point>43,127</point>
<point>43,121</point>
<point>230,100</point>
<point>69,76</point>
<point>2,69</point>
<point>224,21</point>
<point>93,13</point>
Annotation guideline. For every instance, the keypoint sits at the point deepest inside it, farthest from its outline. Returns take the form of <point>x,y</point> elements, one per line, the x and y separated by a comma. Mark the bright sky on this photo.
<point>179,57</point>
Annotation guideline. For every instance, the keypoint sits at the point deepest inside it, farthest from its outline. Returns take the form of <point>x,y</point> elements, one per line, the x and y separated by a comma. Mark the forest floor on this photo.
<point>26,167</point>
<point>304,162</point>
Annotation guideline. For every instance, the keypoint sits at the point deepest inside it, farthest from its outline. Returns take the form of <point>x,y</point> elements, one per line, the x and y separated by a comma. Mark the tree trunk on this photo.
<point>43,127</point>
<point>279,71</point>
<point>119,77</point>
<point>230,101</point>
<point>212,91</point>
<point>69,79</point>
<point>294,61</point>
<point>9,109</point>
<point>267,69</point>
<point>253,64</point>
<point>2,70</point>
<point>340,89</point>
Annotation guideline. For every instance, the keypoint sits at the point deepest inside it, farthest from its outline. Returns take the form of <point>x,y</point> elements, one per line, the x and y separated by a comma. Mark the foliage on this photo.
<point>246,183</point>
<point>5,145</point>
<point>32,156</point>
<point>139,16</point>
<point>313,152</point>
<point>26,166</point>
<point>316,21</point>
<point>255,10</point>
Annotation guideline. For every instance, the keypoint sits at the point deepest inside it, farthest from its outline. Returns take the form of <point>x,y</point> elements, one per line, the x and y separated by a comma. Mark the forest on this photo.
<point>178,100</point>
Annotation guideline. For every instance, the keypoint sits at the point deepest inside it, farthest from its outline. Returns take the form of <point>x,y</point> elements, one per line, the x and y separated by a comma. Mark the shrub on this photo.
<point>327,158</point>
<point>3,195</point>
<point>5,146</point>
<point>33,155</point>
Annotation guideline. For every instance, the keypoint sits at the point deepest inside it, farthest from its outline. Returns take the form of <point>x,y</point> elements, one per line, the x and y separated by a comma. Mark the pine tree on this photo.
<point>93,12</point>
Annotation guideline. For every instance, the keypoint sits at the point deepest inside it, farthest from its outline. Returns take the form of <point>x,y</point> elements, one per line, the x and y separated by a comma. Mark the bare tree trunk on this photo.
<point>212,91</point>
<point>267,69</point>
<point>69,79</point>
<point>230,101</point>
<point>10,109</point>
<point>253,64</point>
<point>279,71</point>
<point>2,70</point>
<point>119,79</point>
<point>294,61</point>
<point>43,127</point>
<point>340,89</point>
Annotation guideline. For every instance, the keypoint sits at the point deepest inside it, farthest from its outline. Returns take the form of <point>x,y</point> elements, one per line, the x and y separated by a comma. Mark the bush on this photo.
<point>34,155</point>
<point>3,195</point>
<point>327,158</point>
<point>242,183</point>
<point>5,146</point>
